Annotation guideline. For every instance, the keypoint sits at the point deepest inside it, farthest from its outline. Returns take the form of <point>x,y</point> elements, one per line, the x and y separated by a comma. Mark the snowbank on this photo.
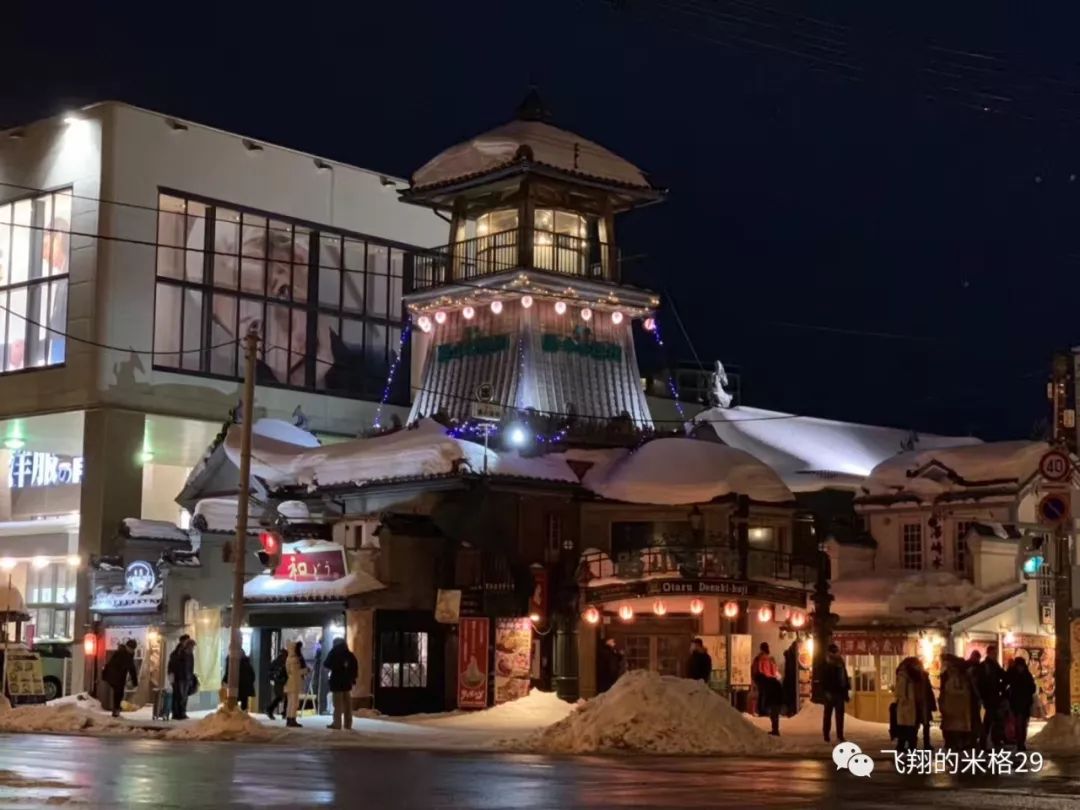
<point>1060,735</point>
<point>649,713</point>
<point>63,717</point>
<point>535,710</point>
<point>223,725</point>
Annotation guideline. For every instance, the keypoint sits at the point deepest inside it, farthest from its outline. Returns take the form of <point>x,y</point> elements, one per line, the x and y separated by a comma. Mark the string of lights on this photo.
<point>393,371</point>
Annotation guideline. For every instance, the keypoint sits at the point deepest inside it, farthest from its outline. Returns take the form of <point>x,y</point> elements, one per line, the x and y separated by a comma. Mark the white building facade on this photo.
<point>135,250</point>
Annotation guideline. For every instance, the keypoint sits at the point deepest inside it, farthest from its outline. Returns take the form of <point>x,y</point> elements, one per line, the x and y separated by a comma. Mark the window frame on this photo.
<point>906,553</point>
<point>310,305</point>
<point>62,281</point>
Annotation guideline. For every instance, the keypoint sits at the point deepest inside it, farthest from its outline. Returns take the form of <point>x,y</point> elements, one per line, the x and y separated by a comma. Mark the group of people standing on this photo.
<point>289,674</point>
<point>979,701</point>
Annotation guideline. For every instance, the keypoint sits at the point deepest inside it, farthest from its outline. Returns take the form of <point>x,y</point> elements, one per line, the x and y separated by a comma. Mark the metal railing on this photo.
<point>722,562</point>
<point>494,253</point>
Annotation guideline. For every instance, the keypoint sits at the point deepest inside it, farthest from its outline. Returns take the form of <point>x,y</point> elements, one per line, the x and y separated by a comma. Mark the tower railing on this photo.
<point>470,259</point>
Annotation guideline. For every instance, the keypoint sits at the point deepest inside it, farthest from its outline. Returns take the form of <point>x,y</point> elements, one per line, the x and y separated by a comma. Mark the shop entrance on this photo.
<point>872,680</point>
<point>661,646</point>
<point>409,666</point>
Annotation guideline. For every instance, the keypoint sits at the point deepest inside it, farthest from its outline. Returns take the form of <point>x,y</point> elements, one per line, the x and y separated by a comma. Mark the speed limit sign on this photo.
<point>1055,465</point>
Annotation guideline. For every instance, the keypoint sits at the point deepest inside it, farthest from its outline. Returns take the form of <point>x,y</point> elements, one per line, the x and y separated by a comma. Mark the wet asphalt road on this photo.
<point>63,771</point>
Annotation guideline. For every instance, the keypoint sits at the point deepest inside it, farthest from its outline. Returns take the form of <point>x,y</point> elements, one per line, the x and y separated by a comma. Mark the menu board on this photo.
<point>741,660</point>
<point>716,647</point>
<point>23,671</point>
<point>1039,653</point>
<point>513,654</point>
<point>472,663</point>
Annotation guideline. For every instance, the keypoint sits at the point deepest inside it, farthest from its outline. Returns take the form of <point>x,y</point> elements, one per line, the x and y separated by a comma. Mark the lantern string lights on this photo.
<point>671,379</point>
<point>560,307</point>
<point>526,301</point>
<point>659,607</point>
<point>626,613</point>
<point>393,370</point>
<point>591,615</point>
<point>765,614</point>
<point>697,607</point>
<point>586,314</point>
<point>731,609</point>
<point>467,313</point>
<point>496,307</point>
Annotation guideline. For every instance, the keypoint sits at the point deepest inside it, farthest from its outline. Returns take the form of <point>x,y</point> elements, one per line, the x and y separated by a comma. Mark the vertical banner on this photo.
<point>472,663</point>
<point>1074,668</point>
<point>538,600</point>
<point>513,651</point>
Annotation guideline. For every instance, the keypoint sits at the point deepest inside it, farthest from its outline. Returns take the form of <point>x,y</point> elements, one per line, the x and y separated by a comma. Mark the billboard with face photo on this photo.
<point>327,307</point>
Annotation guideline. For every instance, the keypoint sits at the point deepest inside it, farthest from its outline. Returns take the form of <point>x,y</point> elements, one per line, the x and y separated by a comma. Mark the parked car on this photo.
<point>55,666</point>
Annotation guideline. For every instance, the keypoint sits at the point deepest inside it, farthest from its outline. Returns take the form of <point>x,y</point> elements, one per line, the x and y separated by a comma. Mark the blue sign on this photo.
<point>1054,509</point>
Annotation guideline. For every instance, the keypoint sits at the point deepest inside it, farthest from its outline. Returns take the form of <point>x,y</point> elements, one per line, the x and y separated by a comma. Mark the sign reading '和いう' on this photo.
<point>309,566</point>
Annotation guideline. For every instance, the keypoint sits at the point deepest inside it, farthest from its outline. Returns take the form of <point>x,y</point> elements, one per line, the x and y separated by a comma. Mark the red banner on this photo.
<point>538,600</point>
<point>472,669</point>
<point>311,566</point>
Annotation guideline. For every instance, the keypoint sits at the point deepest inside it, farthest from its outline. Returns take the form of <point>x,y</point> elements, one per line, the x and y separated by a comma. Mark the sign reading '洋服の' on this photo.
<point>31,469</point>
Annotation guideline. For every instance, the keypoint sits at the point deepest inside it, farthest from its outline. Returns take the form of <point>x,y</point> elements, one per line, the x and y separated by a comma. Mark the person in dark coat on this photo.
<point>837,688</point>
<point>927,706</point>
<point>343,669</point>
<point>247,680</point>
<point>611,664</point>
<point>699,667</point>
<point>181,670</point>
<point>990,678</point>
<point>1020,692</point>
<point>278,677</point>
<point>116,673</point>
<point>791,679</point>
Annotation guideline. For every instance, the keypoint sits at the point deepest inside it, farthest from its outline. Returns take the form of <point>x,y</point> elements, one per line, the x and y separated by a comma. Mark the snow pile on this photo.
<point>682,471</point>
<point>223,725</point>
<point>64,717</point>
<point>81,699</point>
<point>1060,735</point>
<point>657,714</point>
<point>534,711</point>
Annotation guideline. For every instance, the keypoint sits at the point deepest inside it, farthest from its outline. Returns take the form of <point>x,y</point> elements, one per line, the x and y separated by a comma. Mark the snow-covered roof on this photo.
<point>998,531</point>
<point>907,599</point>
<point>550,146</point>
<point>810,453</point>
<point>926,474</point>
<point>218,515</point>
<point>683,471</point>
<point>138,529</point>
<point>268,588</point>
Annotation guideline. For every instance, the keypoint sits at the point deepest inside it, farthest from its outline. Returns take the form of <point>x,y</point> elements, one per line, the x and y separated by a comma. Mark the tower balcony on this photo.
<point>505,252</point>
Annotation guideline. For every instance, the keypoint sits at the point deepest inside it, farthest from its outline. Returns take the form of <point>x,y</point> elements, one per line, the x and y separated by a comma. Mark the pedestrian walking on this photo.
<point>955,702</point>
<point>120,668</point>
<point>297,674</point>
<point>181,670</point>
<point>699,666</point>
<point>908,691</point>
<point>990,678</point>
<point>278,677</point>
<point>247,680</point>
<point>927,704</point>
<point>343,669</point>
<point>764,673</point>
<point>611,665</point>
<point>1020,693</point>
<point>837,688</point>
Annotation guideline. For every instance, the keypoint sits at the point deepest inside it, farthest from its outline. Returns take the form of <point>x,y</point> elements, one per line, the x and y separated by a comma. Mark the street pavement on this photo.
<point>86,772</point>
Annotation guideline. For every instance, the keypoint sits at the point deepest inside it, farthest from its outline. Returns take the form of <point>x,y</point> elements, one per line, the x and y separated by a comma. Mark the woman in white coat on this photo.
<point>297,672</point>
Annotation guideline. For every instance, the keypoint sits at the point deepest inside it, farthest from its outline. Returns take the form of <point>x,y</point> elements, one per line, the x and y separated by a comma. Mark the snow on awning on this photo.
<point>138,529</point>
<point>268,588</point>
<point>127,601</point>
<point>218,515</point>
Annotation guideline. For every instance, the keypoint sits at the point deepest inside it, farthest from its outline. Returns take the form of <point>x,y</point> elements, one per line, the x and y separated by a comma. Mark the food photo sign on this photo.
<point>513,658</point>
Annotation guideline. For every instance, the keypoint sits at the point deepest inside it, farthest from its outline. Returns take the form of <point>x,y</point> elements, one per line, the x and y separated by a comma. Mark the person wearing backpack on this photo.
<point>955,701</point>
<point>278,677</point>
<point>343,667</point>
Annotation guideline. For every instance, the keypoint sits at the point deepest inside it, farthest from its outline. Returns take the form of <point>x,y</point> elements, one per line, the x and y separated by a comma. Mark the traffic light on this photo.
<point>1034,557</point>
<point>271,548</point>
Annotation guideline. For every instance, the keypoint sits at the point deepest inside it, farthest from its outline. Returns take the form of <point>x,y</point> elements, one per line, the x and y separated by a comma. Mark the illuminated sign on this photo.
<point>140,577</point>
<point>474,344</point>
<point>29,469</point>
<point>581,343</point>
<point>308,566</point>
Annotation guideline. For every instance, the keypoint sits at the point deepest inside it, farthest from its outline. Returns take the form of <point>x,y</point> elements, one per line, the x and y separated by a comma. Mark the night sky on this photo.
<point>873,218</point>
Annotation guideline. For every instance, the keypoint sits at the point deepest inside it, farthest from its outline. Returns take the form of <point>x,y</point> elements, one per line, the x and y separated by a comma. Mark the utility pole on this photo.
<point>251,346</point>
<point>1064,418</point>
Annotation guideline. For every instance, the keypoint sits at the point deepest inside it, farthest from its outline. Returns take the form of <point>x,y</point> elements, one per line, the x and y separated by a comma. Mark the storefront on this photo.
<point>872,658</point>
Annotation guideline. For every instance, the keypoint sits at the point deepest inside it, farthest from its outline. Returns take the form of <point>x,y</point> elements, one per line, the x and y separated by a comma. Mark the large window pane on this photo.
<point>172,237</point>
<point>20,240</point>
<point>223,357</point>
<point>226,248</point>
<point>378,268</point>
<point>5,243</point>
<point>16,335</point>
<point>301,253</point>
<point>191,359</point>
<point>167,326</point>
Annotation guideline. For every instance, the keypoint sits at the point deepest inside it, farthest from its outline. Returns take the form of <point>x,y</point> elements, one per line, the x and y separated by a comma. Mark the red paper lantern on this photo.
<point>89,645</point>
<point>270,541</point>
<point>765,614</point>
<point>659,607</point>
<point>591,615</point>
<point>731,609</point>
<point>697,607</point>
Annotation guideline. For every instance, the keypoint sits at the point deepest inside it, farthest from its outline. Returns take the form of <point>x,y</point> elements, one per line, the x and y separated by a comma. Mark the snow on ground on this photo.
<point>66,717</point>
<point>657,714</point>
<point>222,725</point>
<point>535,710</point>
<point>804,732</point>
<point>1060,735</point>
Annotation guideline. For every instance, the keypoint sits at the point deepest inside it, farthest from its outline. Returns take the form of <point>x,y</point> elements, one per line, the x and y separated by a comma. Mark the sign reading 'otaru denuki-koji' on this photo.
<point>32,469</point>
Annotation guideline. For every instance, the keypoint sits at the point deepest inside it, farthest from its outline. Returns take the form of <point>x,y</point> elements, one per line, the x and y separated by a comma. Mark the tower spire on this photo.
<point>532,107</point>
